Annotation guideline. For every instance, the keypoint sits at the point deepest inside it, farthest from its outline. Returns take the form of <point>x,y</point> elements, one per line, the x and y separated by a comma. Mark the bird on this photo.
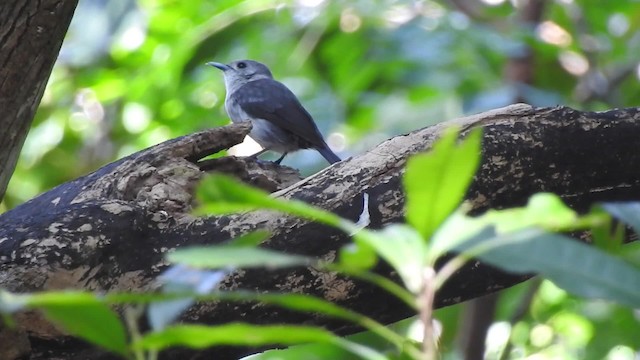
<point>280,122</point>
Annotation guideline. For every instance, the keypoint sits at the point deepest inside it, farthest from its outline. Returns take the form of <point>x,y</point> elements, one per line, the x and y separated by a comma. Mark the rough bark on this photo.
<point>109,230</point>
<point>31,34</point>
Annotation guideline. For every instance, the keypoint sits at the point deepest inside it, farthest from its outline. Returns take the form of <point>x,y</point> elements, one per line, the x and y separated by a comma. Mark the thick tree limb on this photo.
<point>31,34</point>
<point>109,230</point>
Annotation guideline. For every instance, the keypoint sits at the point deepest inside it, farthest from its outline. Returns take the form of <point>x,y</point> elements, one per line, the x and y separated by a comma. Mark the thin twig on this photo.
<point>429,345</point>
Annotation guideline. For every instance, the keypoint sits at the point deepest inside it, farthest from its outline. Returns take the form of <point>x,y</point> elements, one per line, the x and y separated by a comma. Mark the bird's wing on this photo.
<point>271,100</point>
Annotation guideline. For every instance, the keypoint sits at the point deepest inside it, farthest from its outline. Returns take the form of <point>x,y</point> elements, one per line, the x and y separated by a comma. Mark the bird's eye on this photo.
<point>241,65</point>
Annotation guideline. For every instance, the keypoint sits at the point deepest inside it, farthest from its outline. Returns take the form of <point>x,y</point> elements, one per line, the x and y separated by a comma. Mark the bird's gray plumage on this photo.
<point>280,122</point>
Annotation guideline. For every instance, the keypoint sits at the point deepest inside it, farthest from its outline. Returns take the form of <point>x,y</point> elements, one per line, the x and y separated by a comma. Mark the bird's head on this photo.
<point>240,72</point>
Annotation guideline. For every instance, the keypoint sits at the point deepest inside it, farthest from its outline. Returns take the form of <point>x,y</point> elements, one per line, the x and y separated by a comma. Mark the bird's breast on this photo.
<point>235,112</point>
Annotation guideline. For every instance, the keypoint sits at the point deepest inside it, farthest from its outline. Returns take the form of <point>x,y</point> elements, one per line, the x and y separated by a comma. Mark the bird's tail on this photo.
<point>328,154</point>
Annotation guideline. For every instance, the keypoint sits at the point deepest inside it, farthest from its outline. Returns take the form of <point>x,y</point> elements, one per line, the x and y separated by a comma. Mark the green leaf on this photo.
<point>329,351</point>
<point>221,194</point>
<point>200,336</point>
<point>436,182</point>
<point>311,304</point>
<point>402,247</point>
<point>609,235</point>
<point>85,316</point>
<point>253,238</point>
<point>215,257</point>
<point>297,302</point>
<point>543,210</point>
<point>238,334</point>
<point>356,256</point>
<point>574,266</point>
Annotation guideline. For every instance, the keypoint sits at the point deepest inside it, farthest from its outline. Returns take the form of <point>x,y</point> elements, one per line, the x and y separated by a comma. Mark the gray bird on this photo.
<point>280,122</point>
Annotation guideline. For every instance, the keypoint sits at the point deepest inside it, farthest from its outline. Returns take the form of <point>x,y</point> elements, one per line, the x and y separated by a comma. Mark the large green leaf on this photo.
<point>199,336</point>
<point>311,304</point>
<point>83,315</point>
<point>436,182</point>
<point>367,338</point>
<point>402,247</point>
<point>215,257</point>
<point>574,266</point>
<point>543,210</point>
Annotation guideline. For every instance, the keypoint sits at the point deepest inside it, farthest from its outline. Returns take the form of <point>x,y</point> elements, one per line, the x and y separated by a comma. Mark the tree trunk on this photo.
<point>109,230</point>
<point>31,34</point>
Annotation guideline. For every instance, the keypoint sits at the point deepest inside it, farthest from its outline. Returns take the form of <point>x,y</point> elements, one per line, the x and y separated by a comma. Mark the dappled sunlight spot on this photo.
<point>554,34</point>
<point>574,63</point>
<point>432,10</point>
<point>135,117</point>
<point>337,141</point>
<point>311,3</point>
<point>207,99</point>
<point>246,148</point>
<point>305,10</point>
<point>78,123</point>
<point>622,352</point>
<point>350,21</point>
<point>89,104</point>
<point>618,24</point>
<point>132,37</point>
<point>541,335</point>
<point>399,15</point>
<point>41,140</point>
<point>497,336</point>
<point>161,54</point>
<point>493,2</point>
<point>415,331</point>
<point>575,330</point>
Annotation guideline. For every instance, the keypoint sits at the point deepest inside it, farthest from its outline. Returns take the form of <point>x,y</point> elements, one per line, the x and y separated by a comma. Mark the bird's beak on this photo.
<point>220,66</point>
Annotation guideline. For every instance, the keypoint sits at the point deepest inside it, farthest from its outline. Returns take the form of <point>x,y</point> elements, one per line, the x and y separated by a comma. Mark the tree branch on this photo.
<point>109,230</point>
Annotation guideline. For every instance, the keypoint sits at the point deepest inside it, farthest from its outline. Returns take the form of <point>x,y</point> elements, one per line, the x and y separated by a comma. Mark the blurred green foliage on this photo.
<point>131,74</point>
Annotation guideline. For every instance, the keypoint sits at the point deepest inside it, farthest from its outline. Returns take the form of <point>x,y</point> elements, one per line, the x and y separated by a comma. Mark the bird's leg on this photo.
<point>280,159</point>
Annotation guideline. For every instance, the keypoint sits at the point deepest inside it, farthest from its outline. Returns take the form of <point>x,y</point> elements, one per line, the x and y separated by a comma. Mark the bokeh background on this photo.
<point>131,74</point>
